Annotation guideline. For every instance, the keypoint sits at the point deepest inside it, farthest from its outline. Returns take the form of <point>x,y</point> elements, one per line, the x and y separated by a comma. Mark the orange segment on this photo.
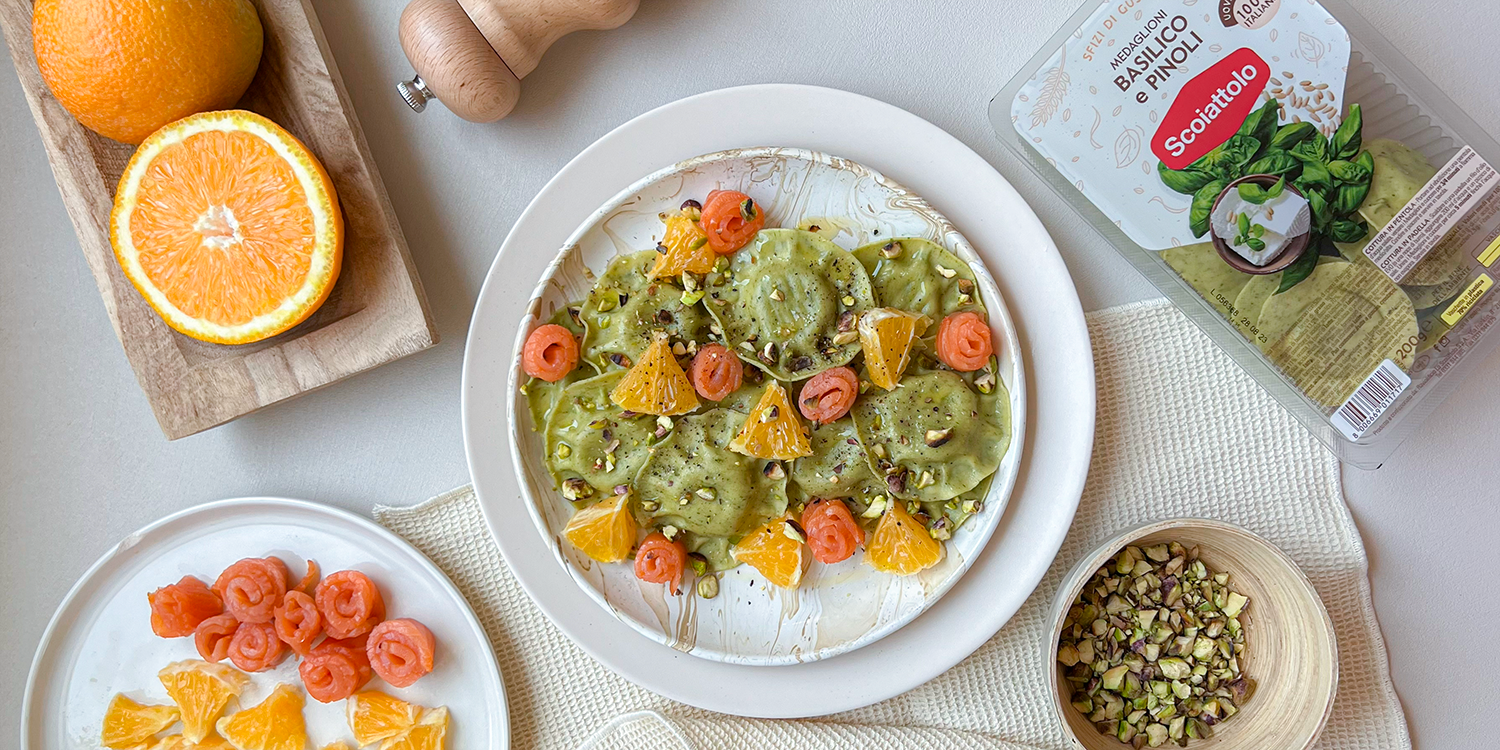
<point>338,745</point>
<point>656,384</point>
<point>428,734</point>
<point>772,430</point>
<point>374,716</point>
<point>605,531</point>
<point>128,724</point>
<point>775,550</point>
<point>886,335</point>
<point>178,742</point>
<point>275,724</point>
<point>228,226</point>
<point>684,247</point>
<point>201,690</point>
<point>901,545</point>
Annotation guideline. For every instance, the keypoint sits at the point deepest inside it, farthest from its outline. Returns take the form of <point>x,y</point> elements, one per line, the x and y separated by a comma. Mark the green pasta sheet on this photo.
<point>693,482</point>
<point>626,308</point>
<point>589,424</point>
<point>780,300</point>
<point>838,466</point>
<point>923,277</point>
<point>970,432</point>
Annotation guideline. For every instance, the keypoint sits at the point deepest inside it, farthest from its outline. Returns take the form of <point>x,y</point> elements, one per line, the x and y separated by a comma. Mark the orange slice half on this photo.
<point>605,530</point>
<point>274,724</point>
<point>656,384</point>
<point>775,550</point>
<point>228,226</point>
<point>901,545</point>
<point>886,335</point>
<point>201,690</point>
<point>684,247</point>
<point>773,430</point>
<point>128,724</point>
<point>375,716</point>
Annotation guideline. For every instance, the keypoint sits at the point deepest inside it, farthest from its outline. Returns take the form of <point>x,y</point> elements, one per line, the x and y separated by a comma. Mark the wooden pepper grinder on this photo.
<point>472,54</point>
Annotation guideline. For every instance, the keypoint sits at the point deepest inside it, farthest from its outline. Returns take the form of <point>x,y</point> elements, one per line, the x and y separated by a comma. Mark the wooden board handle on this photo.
<point>472,54</point>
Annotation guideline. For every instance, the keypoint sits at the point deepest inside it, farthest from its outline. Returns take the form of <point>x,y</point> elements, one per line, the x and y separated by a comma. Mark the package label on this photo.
<point>1149,83</point>
<point>1433,212</point>
<point>1370,400</point>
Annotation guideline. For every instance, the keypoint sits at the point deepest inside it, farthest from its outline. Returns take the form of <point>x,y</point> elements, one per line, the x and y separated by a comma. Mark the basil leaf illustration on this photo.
<point>1293,134</point>
<point>1185,181</point>
<point>1203,206</point>
<point>1240,150</point>
<point>1348,230</point>
<point>1311,151</point>
<point>1244,223</point>
<point>1261,124</point>
<point>1274,161</point>
<point>1315,176</point>
<point>1322,215</point>
<point>1253,193</point>
<point>1300,269</point>
<point>1348,172</point>
<point>1350,197</point>
<point>1257,230</point>
<point>1347,139</point>
<point>1255,244</point>
<point>1367,161</point>
<point>1276,190</point>
<point>1327,248</point>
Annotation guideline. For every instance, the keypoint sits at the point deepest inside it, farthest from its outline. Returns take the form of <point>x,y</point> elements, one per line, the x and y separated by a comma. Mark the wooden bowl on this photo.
<point>1290,650</point>
<point>1299,244</point>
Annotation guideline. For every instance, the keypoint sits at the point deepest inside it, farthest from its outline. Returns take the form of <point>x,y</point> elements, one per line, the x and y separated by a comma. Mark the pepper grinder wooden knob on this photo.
<point>472,54</point>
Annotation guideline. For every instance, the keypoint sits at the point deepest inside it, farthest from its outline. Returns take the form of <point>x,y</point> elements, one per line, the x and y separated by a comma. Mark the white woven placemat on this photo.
<point>1181,432</point>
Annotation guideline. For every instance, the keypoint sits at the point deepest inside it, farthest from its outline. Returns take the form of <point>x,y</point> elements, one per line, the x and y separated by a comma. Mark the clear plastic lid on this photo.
<point>1289,181</point>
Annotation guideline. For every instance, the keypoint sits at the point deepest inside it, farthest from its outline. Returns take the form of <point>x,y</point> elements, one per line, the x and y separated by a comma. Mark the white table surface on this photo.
<point>82,462</point>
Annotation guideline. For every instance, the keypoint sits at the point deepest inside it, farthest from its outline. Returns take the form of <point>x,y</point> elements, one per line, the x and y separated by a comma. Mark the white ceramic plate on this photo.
<point>837,608</point>
<point>1042,302</point>
<point>100,642</point>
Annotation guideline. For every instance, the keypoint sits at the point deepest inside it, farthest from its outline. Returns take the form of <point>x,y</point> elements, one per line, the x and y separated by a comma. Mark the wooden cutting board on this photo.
<point>377,311</point>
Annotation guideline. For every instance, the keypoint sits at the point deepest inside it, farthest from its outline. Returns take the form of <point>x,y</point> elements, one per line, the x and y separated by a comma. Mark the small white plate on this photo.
<point>1042,301</point>
<point>837,608</point>
<point>100,642</point>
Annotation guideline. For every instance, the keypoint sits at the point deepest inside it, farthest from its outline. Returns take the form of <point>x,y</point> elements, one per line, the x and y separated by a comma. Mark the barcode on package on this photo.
<point>1370,400</point>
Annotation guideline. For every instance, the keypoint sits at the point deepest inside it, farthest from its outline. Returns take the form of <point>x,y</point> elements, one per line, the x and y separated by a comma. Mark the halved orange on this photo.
<point>900,545</point>
<point>228,226</point>
<point>605,531</point>
<point>201,691</point>
<point>776,550</point>
<point>684,247</point>
<point>886,335</point>
<point>656,384</point>
<point>773,430</point>
<point>428,734</point>
<point>374,716</point>
<point>128,723</point>
<point>274,724</point>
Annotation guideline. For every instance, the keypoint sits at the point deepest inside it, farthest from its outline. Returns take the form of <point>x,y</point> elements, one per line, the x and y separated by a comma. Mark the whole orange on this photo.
<point>125,68</point>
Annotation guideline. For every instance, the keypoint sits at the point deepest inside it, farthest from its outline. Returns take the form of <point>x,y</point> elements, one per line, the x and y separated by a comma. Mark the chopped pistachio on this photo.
<point>793,530</point>
<point>877,506</point>
<point>707,493</point>
<point>891,250</point>
<point>848,300</point>
<point>564,450</point>
<point>1152,647</point>
<point>946,273</point>
<point>669,531</point>
<point>708,587</point>
<point>843,338</point>
<point>577,489</point>
<point>773,470</point>
<point>777,295</point>
<point>938,438</point>
<point>691,298</point>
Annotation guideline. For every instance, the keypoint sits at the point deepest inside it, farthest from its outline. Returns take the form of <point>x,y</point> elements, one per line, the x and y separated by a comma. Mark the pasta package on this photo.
<point>1291,183</point>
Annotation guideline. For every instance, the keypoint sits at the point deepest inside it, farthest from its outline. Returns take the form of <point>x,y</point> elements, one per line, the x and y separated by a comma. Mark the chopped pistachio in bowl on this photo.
<point>1192,633</point>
